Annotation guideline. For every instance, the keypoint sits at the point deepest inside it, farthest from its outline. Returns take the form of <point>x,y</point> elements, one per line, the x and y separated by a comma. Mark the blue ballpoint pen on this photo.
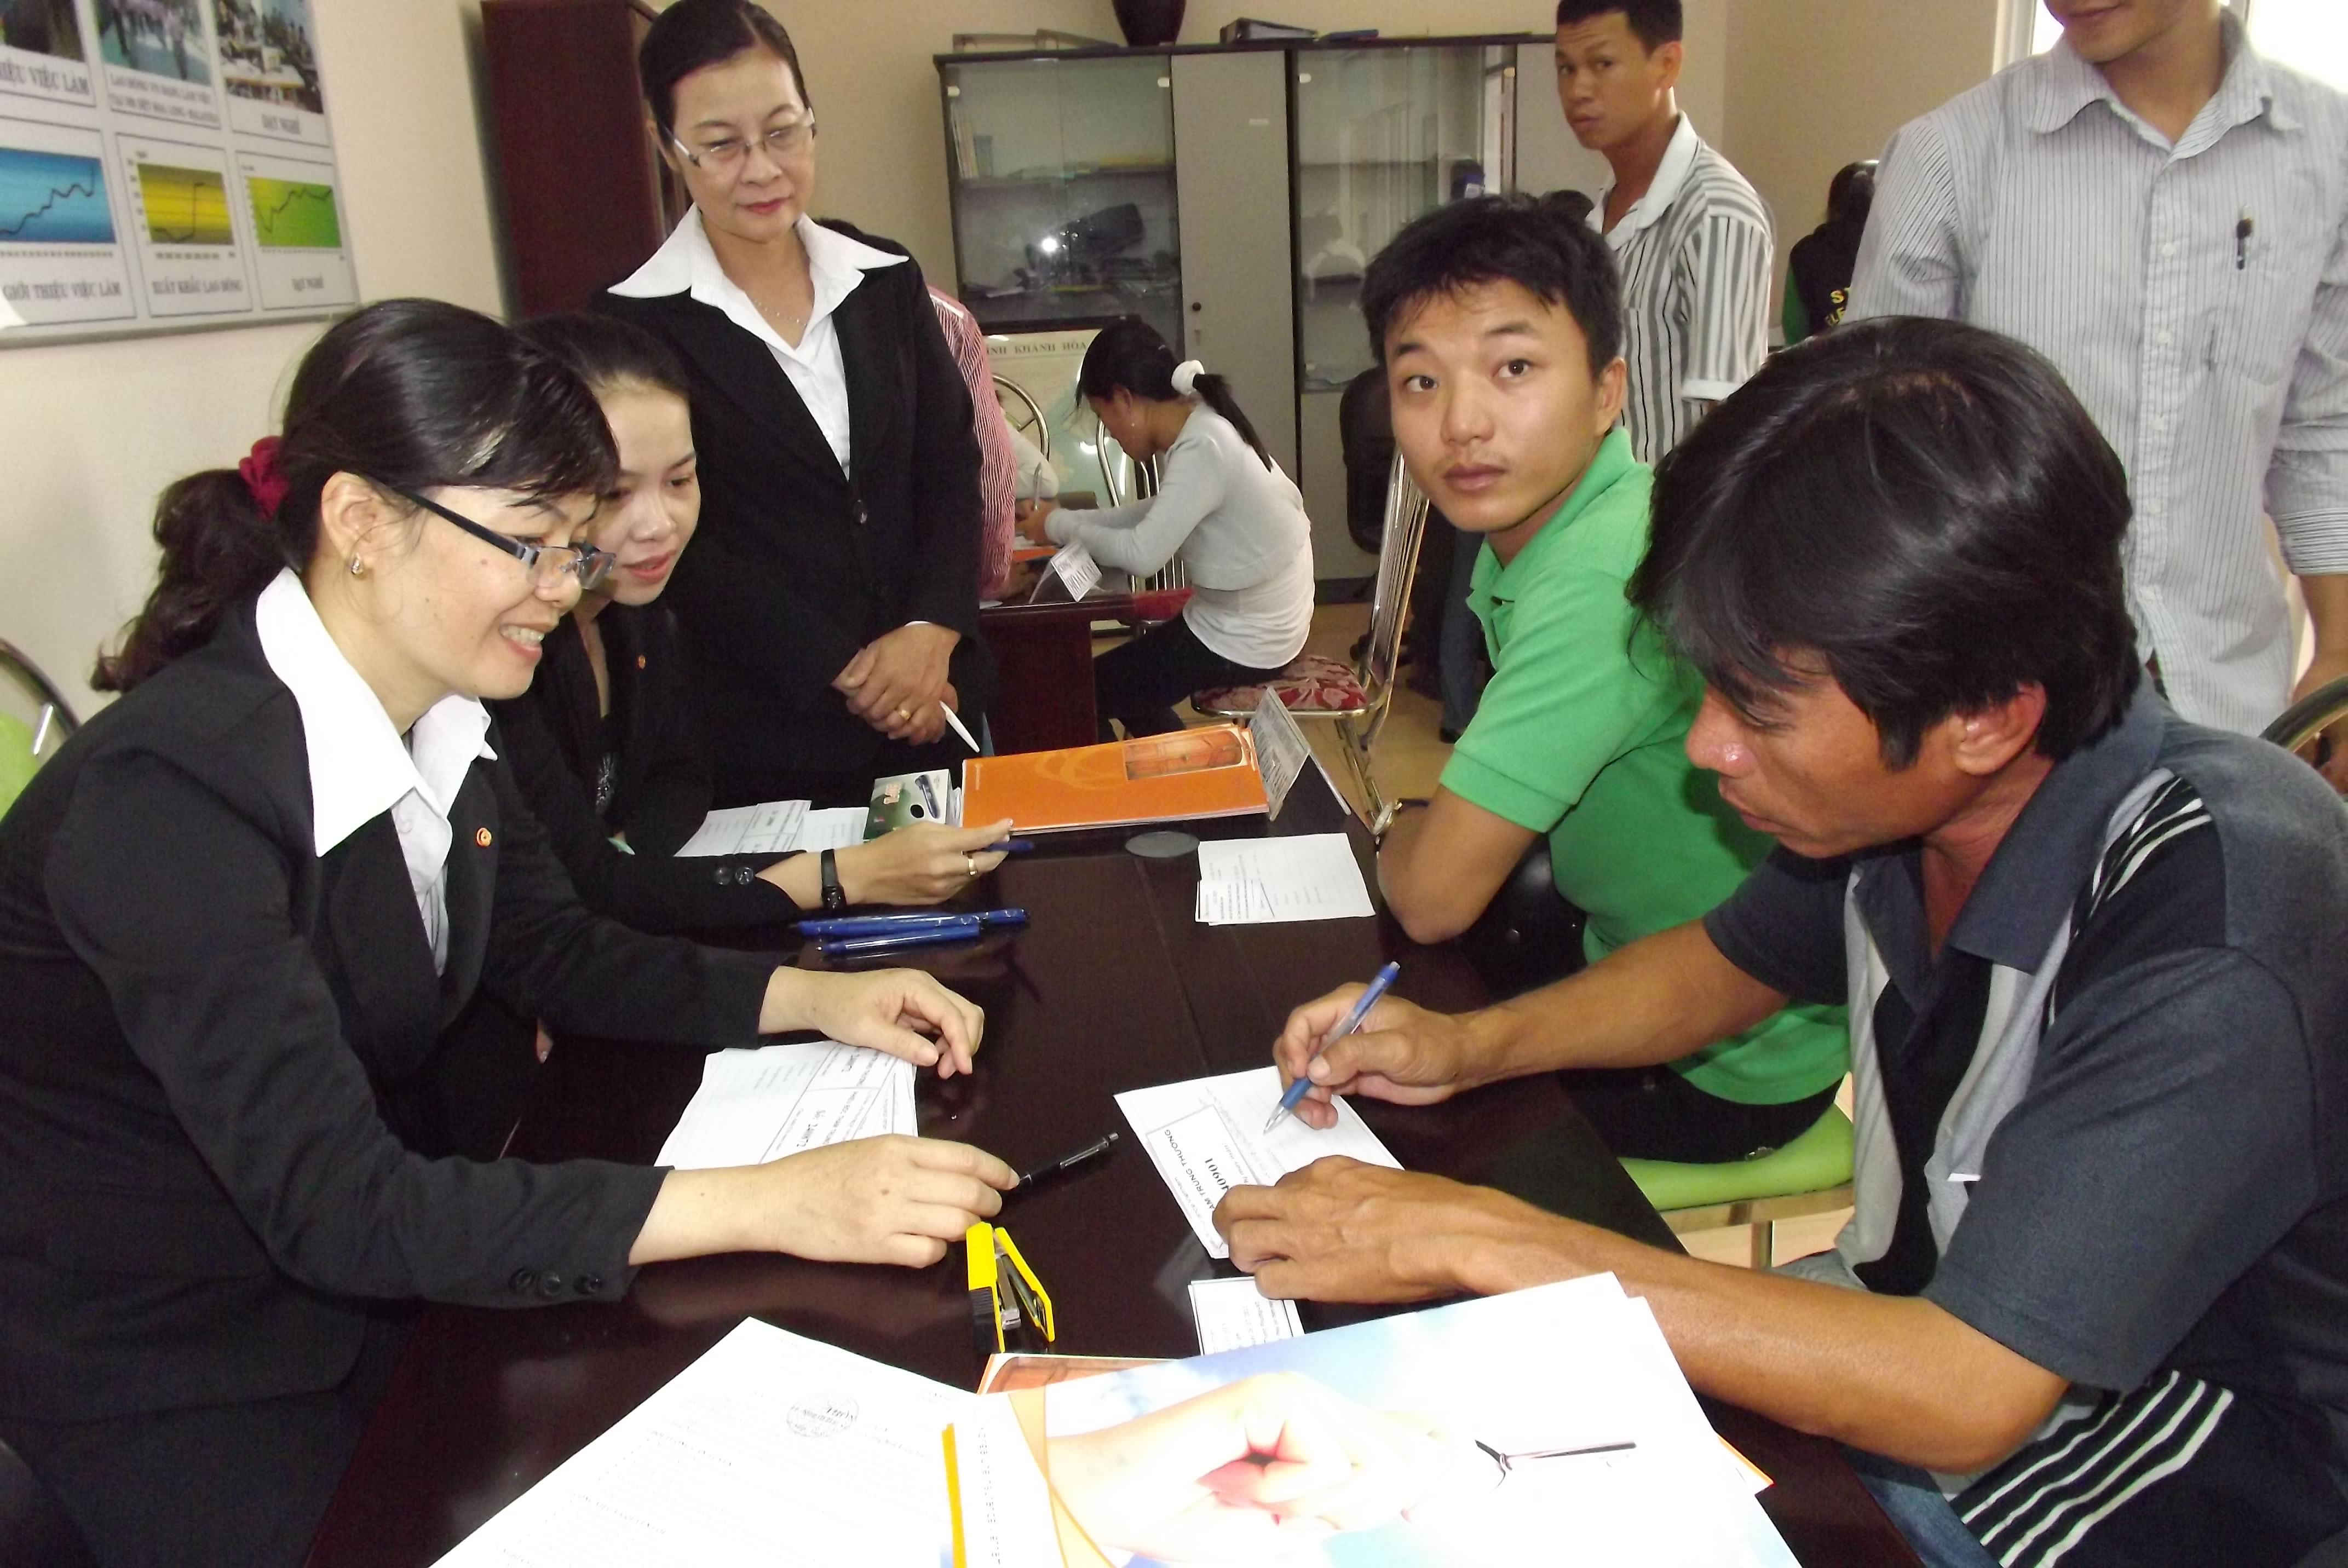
<point>1352,1021</point>
<point>962,930</point>
<point>913,920</point>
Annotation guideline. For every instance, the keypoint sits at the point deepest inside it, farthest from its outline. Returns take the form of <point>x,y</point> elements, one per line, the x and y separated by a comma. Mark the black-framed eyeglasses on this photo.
<point>588,565</point>
<point>782,143</point>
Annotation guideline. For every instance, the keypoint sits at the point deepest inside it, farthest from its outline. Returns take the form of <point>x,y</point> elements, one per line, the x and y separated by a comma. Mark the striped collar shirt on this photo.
<point>2195,295</point>
<point>1695,253</point>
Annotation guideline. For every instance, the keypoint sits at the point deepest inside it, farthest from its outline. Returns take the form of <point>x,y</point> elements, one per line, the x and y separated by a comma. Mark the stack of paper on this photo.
<point>758,1105</point>
<point>1206,1136</point>
<point>776,827</point>
<point>1551,1425</point>
<point>770,1448</point>
<point>1263,881</point>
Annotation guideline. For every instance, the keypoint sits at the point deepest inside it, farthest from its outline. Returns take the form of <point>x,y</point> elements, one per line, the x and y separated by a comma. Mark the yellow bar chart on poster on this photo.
<point>164,164</point>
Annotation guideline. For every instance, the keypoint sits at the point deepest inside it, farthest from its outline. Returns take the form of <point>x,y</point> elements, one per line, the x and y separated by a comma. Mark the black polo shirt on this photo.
<point>2104,1123</point>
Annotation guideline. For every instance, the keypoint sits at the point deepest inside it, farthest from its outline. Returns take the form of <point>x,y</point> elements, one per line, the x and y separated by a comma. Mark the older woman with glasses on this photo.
<point>236,910</point>
<point>831,605</point>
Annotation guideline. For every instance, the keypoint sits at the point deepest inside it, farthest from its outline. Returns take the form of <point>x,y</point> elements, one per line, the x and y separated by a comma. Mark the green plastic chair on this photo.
<point>16,759</point>
<point>1810,1175</point>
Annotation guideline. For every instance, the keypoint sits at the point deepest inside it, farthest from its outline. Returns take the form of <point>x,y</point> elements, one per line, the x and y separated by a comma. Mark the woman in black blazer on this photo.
<point>604,743</point>
<point>833,602</point>
<point>238,910</point>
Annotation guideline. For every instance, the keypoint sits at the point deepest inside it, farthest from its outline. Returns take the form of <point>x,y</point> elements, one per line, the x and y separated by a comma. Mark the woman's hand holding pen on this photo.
<point>902,1011</point>
<point>892,1199</point>
<point>922,862</point>
<point>896,682</point>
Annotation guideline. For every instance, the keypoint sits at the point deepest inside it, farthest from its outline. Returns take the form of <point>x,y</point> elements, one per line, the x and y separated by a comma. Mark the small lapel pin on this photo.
<point>481,837</point>
<point>639,660</point>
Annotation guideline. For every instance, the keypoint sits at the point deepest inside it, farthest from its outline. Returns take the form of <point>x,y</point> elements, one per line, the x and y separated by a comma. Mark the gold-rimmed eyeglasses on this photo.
<point>783,143</point>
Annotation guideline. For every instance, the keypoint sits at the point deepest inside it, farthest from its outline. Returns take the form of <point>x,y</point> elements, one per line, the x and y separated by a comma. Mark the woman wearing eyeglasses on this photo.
<point>831,605</point>
<point>604,743</point>
<point>237,910</point>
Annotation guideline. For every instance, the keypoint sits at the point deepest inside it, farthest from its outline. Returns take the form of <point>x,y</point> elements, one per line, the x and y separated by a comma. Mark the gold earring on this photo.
<point>359,567</point>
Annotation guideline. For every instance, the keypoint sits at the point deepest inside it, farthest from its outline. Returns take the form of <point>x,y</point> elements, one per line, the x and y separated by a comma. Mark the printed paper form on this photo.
<point>1204,1137</point>
<point>761,1104</point>
<point>776,827</point>
<point>1265,881</point>
<point>1077,568</point>
<point>770,1448</point>
<point>1233,1314</point>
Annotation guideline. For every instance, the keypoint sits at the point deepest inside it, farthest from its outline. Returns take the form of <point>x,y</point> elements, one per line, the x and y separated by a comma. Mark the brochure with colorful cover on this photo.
<point>901,800</point>
<point>1548,1425</point>
<point>1207,772</point>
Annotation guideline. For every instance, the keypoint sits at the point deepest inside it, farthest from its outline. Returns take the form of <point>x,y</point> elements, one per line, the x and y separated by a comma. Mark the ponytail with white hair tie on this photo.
<point>1186,376</point>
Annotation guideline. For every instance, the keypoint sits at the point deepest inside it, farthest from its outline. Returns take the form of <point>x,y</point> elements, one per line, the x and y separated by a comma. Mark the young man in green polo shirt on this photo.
<point>1499,326</point>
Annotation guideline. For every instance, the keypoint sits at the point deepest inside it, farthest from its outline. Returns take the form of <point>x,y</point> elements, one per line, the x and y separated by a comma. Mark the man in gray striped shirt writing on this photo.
<point>2164,214</point>
<point>1689,236</point>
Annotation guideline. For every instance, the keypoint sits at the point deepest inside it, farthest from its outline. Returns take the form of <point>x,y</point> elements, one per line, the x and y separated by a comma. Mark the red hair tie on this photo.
<point>261,479</point>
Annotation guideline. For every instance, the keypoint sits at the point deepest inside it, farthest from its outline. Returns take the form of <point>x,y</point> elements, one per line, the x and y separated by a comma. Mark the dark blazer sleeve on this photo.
<point>652,892</point>
<point>177,893</point>
<point>550,956</point>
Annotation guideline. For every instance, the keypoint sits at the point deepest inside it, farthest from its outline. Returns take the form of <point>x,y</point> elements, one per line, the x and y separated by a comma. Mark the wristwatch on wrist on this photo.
<point>1386,818</point>
<point>834,897</point>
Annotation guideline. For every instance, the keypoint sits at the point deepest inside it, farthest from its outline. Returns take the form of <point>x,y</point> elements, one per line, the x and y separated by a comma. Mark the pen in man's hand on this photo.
<point>1353,1020</point>
<point>1053,1168</point>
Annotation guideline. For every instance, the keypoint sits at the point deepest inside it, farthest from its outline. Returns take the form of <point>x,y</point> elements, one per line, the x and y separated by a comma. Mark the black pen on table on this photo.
<point>1068,1162</point>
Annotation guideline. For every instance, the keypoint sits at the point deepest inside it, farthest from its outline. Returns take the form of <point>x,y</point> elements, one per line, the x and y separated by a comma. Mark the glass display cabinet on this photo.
<point>1383,135</point>
<point>1231,196</point>
<point>1064,192</point>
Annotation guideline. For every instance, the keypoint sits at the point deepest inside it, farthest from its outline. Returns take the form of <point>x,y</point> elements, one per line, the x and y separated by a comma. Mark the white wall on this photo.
<point>90,431</point>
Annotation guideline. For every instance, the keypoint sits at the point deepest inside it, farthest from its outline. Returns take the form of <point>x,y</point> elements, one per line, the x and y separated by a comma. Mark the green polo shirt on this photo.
<point>1582,736</point>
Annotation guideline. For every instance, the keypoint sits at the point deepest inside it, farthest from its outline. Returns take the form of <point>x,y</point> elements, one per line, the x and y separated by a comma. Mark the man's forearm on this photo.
<point>1893,1374</point>
<point>1653,1001</point>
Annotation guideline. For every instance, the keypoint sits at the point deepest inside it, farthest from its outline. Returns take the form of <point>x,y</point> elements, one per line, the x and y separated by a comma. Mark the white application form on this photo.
<point>832,827</point>
<point>1203,1136</point>
<point>1233,1314</point>
<point>1266,881</point>
<point>771,828</point>
<point>770,1448</point>
<point>761,1104</point>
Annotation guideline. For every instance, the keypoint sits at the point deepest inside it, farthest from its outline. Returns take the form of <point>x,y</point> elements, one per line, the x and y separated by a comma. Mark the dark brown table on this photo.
<point>1114,986</point>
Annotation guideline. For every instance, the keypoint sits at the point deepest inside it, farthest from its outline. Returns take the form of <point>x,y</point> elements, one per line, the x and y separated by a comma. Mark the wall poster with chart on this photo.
<point>164,164</point>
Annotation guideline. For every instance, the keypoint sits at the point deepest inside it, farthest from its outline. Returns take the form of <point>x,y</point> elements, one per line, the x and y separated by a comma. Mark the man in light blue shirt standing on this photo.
<point>2164,214</point>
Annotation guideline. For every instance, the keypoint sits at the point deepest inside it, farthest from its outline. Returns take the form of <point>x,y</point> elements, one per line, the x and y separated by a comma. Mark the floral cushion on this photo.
<point>1315,684</point>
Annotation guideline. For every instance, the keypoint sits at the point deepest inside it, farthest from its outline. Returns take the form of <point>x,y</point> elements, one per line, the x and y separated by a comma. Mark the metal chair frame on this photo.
<point>2309,716</point>
<point>1761,1214</point>
<point>1004,387</point>
<point>56,713</point>
<point>1358,728</point>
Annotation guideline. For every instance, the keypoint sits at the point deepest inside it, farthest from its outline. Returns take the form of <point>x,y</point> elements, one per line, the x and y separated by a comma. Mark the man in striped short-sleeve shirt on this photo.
<point>2164,214</point>
<point>1690,236</point>
<point>2089,1309</point>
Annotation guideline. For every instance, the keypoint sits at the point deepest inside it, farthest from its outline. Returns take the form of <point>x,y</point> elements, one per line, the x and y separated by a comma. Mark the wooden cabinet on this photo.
<point>583,196</point>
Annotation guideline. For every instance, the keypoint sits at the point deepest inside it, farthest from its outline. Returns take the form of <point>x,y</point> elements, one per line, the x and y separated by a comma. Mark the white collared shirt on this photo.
<point>2195,296</point>
<point>685,264</point>
<point>1695,254</point>
<point>359,768</point>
